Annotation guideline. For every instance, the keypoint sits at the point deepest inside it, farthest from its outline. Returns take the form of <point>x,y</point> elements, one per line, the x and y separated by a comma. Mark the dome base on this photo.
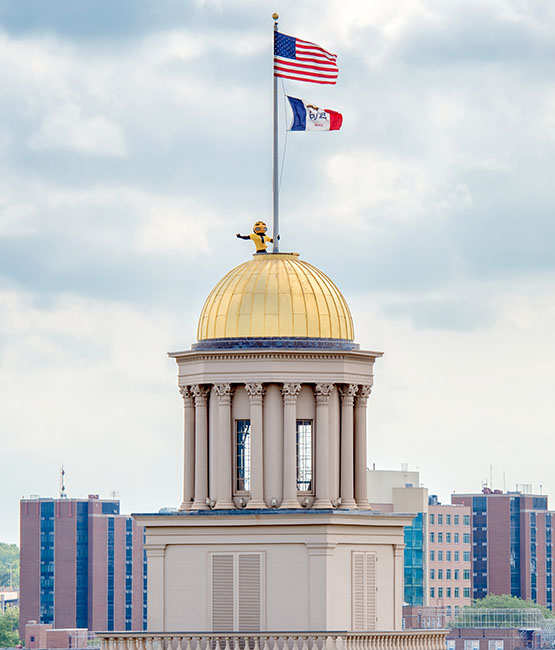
<point>275,343</point>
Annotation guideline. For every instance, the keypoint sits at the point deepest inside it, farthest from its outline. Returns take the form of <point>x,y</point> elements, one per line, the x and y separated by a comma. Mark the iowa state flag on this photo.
<point>307,117</point>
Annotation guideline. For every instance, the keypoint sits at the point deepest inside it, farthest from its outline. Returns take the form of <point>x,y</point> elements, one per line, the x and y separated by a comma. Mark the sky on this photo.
<point>135,141</point>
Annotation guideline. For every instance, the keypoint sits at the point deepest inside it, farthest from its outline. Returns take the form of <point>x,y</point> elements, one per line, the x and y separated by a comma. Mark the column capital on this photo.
<point>255,392</point>
<point>323,392</point>
<point>224,393</point>
<point>188,398</point>
<point>348,393</point>
<point>363,395</point>
<point>290,393</point>
<point>398,550</point>
<point>200,393</point>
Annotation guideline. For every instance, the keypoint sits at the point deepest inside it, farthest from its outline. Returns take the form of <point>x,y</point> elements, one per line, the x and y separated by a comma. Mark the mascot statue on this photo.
<point>258,236</point>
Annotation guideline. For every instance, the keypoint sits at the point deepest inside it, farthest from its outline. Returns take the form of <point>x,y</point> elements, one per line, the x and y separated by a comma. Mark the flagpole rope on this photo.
<point>286,132</point>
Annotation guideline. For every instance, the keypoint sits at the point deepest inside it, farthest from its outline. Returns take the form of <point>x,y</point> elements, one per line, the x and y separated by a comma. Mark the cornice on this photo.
<point>194,356</point>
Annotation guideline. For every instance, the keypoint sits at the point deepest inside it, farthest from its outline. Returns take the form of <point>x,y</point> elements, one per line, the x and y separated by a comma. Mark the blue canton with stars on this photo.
<point>284,45</point>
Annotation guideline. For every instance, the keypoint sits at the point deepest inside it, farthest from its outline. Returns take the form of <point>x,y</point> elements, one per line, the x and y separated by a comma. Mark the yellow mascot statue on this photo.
<point>258,236</point>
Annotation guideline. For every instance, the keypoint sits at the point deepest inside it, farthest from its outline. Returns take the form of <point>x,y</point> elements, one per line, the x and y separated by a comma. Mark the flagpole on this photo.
<point>275,184</point>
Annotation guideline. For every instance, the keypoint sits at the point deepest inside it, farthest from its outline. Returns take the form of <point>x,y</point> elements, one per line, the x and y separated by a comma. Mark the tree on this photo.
<point>491,601</point>
<point>9,565</point>
<point>9,636</point>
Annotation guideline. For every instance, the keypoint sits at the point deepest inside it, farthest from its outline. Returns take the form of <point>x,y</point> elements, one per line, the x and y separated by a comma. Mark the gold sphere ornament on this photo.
<point>275,16</point>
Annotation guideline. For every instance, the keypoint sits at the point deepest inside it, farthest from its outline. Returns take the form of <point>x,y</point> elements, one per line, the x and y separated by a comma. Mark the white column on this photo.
<point>347,393</point>
<point>224,462</point>
<point>155,559</point>
<point>361,482</point>
<point>322,392</point>
<point>256,397</point>
<point>290,393</point>
<point>188,448</point>
<point>200,394</point>
<point>398,585</point>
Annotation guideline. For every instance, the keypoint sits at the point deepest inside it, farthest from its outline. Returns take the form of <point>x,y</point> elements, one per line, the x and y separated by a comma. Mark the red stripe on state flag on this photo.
<point>336,119</point>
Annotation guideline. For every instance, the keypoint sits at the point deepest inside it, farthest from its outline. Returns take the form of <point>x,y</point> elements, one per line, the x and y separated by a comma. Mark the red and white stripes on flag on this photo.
<point>303,61</point>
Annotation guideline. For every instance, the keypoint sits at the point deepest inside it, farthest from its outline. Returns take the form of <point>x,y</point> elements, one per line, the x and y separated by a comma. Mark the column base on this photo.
<point>322,504</point>
<point>186,505</point>
<point>224,504</point>
<point>256,504</point>
<point>290,504</point>
<point>348,505</point>
<point>199,505</point>
<point>364,505</point>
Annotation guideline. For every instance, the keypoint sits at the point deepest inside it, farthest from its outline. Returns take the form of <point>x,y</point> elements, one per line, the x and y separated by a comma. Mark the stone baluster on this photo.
<point>224,456</point>
<point>361,489</point>
<point>200,393</point>
<point>290,393</point>
<point>188,448</point>
<point>322,392</point>
<point>348,393</point>
<point>256,397</point>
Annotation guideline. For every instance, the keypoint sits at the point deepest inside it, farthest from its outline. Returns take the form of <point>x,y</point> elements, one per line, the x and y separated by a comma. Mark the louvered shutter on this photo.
<point>370,591</point>
<point>358,591</point>
<point>250,600</point>
<point>222,592</point>
<point>363,591</point>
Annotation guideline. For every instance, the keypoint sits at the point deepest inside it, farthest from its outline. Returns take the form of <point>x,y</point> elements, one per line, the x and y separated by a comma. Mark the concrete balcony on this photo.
<point>402,640</point>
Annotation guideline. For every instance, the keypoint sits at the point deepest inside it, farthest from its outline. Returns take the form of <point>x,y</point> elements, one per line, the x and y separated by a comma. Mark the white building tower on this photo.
<point>274,531</point>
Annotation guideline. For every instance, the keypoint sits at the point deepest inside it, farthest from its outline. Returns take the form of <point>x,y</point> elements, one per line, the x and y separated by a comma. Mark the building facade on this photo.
<point>449,556</point>
<point>512,544</point>
<point>82,565</point>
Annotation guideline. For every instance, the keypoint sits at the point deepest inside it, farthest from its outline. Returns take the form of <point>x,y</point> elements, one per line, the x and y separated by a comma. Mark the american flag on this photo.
<point>303,61</point>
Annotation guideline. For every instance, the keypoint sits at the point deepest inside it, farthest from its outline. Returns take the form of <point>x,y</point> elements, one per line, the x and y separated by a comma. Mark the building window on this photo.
<point>432,592</point>
<point>466,520</point>
<point>432,538</point>
<point>448,556</point>
<point>304,455</point>
<point>432,574</point>
<point>440,519</point>
<point>363,577</point>
<point>243,455</point>
<point>456,574</point>
<point>432,556</point>
<point>448,538</point>
<point>456,592</point>
<point>456,520</point>
<point>457,555</point>
<point>440,592</point>
<point>466,592</point>
<point>456,538</point>
<point>466,538</point>
<point>448,519</point>
<point>448,574</point>
<point>440,556</point>
<point>466,556</point>
<point>440,538</point>
<point>440,574</point>
<point>466,574</point>
<point>448,592</point>
<point>431,517</point>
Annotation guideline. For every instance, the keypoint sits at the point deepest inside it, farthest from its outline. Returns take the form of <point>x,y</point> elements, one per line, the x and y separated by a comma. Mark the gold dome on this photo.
<point>275,295</point>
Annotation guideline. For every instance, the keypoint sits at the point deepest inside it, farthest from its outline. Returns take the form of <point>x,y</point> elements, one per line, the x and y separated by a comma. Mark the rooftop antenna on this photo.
<point>63,493</point>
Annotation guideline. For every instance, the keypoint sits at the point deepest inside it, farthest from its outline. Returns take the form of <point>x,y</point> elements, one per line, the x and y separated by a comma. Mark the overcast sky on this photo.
<point>135,141</point>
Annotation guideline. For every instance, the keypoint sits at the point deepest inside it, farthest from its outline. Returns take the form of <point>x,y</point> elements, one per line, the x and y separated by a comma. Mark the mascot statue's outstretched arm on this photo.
<point>258,236</point>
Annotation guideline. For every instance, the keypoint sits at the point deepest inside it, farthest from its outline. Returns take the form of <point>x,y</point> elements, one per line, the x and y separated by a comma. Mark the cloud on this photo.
<point>65,127</point>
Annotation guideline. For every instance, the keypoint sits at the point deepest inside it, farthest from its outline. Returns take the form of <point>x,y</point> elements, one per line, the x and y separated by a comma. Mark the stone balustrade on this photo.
<point>402,640</point>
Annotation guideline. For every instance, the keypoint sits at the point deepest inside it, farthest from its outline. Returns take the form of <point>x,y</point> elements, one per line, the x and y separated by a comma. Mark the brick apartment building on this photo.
<point>511,544</point>
<point>82,565</point>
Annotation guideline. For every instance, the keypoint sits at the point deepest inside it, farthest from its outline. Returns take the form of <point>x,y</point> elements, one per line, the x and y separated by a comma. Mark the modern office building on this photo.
<point>449,553</point>
<point>437,564</point>
<point>82,565</point>
<point>512,546</point>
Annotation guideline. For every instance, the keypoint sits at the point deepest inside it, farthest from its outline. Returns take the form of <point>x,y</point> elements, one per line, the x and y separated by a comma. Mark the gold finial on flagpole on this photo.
<point>275,16</point>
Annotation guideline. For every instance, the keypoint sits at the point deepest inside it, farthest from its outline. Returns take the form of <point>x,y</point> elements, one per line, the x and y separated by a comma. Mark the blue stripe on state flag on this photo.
<point>299,114</point>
